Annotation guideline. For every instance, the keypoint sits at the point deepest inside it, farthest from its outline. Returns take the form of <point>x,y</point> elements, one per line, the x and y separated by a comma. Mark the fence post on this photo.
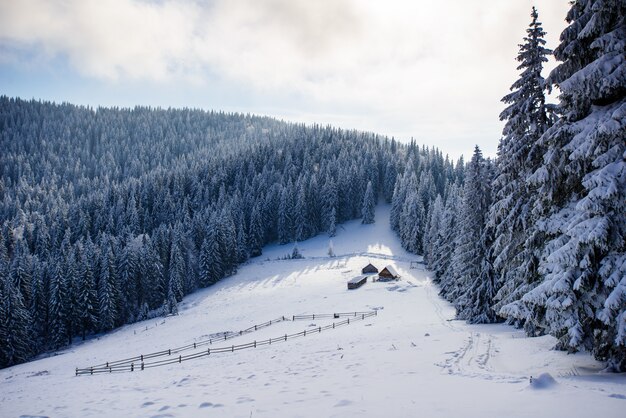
<point>169,351</point>
<point>305,333</point>
<point>141,357</point>
<point>194,346</point>
<point>333,325</point>
<point>232,350</point>
<point>107,364</point>
<point>320,329</point>
<point>92,371</point>
<point>285,337</point>
<point>293,318</point>
<point>180,358</point>
<point>363,316</point>
<point>142,365</point>
<point>208,351</point>
<point>254,343</point>
<point>348,321</point>
<point>132,367</point>
<point>77,371</point>
<point>314,317</point>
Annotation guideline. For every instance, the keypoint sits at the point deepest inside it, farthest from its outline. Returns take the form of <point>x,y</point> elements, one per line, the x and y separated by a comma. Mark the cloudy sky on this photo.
<point>433,70</point>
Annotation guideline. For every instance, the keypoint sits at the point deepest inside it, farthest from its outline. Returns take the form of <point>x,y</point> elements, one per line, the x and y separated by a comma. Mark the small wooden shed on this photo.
<point>357,282</point>
<point>388,273</point>
<point>370,268</point>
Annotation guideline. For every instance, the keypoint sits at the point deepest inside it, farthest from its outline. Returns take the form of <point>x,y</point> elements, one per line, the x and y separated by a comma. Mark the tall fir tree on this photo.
<point>16,340</point>
<point>107,289</point>
<point>514,252</point>
<point>582,188</point>
<point>467,260</point>
<point>369,205</point>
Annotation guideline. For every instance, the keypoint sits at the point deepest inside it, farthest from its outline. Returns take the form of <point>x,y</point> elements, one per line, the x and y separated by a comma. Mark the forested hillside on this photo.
<point>110,216</point>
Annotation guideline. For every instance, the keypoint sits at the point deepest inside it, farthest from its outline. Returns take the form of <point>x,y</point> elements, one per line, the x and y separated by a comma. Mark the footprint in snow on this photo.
<point>343,402</point>
<point>209,405</point>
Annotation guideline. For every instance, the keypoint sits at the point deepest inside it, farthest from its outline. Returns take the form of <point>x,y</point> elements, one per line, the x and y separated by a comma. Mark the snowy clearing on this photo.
<point>411,359</point>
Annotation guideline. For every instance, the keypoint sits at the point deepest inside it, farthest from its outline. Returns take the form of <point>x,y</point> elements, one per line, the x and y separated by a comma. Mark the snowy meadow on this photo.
<point>411,359</point>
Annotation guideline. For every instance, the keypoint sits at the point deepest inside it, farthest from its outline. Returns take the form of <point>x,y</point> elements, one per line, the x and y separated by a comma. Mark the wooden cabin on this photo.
<point>357,282</point>
<point>370,268</point>
<point>388,273</point>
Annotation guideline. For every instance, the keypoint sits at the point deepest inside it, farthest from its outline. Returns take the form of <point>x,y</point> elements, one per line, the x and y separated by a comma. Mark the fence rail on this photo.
<point>139,362</point>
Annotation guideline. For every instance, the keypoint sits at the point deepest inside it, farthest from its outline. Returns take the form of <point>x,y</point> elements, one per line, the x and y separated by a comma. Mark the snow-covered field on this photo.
<point>410,360</point>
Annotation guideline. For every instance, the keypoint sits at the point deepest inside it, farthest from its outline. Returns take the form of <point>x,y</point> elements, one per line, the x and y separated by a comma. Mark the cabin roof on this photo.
<point>391,270</point>
<point>356,279</point>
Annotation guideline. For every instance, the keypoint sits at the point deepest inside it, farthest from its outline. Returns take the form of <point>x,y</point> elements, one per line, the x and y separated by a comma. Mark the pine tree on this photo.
<point>445,244</point>
<point>582,188</point>
<point>255,232</point>
<point>242,242</point>
<point>176,272</point>
<point>514,250</point>
<point>397,201</point>
<point>302,225</point>
<point>470,248</point>
<point>369,205</point>
<point>16,343</point>
<point>434,231</point>
<point>227,238</point>
<point>211,265</point>
<point>332,226</point>
<point>152,280</point>
<point>107,290</point>
<point>285,217</point>
<point>86,299</point>
<point>57,307</point>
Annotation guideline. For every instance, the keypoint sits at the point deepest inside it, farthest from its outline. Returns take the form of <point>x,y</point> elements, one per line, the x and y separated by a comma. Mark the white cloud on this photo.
<point>431,69</point>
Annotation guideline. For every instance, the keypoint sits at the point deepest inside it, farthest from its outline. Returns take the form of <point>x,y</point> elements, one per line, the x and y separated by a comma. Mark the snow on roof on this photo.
<point>356,279</point>
<point>392,270</point>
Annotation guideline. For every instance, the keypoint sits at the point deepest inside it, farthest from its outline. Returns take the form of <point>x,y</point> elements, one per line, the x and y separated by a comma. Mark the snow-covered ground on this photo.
<point>410,360</point>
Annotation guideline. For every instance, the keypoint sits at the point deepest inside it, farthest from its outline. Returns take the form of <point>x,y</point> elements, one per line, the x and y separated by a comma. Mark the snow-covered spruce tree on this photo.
<point>176,272</point>
<point>470,252</point>
<point>57,307</point>
<point>514,254</point>
<point>332,226</point>
<point>582,188</point>
<point>434,231</point>
<point>399,195</point>
<point>86,298</point>
<point>445,242</point>
<point>255,232</point>
<point>16,342</point>
<point>107,289</point>
<point>369,204</point>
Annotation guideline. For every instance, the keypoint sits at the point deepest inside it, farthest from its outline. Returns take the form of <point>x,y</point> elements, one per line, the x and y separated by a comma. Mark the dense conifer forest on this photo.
<point>110,216</point>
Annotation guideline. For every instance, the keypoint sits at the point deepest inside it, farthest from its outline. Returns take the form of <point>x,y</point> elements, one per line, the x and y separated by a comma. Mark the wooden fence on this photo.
<point>173,355</point>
